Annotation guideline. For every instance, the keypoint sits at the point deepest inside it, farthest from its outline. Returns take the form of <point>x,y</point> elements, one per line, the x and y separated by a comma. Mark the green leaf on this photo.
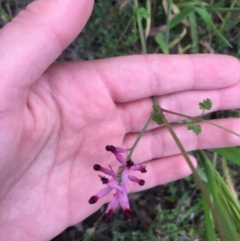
<point>142,12</point>
<point>195,128</point>
<point>201,173</point>
<point>159,38</point>
<point>227,223</point>
<point>131,38</point>
<point>157,115</point>
<point>230,153</point>
<point>205,105</point>
<point>180,16</point>
<point>207,19</point>
<point>194,33</point>
<point>112,43</point>
<point>190,126</point>
<point>219,9</point>
<point>208,221</point>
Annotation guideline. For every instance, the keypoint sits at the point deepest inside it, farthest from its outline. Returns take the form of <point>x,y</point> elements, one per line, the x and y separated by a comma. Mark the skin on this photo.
<point>56,119</point>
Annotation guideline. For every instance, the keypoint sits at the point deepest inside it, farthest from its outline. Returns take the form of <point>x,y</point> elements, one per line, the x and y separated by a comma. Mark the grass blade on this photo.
<point>225,217</point>
<point>160,39</point>
<point>207,19</point>
<point>194,32</point>
<point>227,16</point>
<point>208,221</point>
<point>218,9</point>
<point>180,16</point>
<point>230,153</point>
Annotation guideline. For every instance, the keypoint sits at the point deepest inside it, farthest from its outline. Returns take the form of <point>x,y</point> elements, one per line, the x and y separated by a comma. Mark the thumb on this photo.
<point>34,39</point>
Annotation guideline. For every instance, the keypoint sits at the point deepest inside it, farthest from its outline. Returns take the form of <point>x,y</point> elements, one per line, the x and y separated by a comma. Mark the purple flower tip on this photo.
<point>130,163</point>
<point>93,199</point>
<point>104,180</point>
<point>97,167</point>
<point>107,217</point>
<point>141,182</point>
<point>118,183</point>
<point>128,214</point>
<point>111,148</point>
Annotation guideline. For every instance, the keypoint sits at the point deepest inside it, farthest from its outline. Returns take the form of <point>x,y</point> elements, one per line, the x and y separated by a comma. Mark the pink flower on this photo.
<point>118,182</point>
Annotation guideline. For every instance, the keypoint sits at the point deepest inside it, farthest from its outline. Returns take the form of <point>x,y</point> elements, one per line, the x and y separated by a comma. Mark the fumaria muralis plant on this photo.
<point>118,182</point>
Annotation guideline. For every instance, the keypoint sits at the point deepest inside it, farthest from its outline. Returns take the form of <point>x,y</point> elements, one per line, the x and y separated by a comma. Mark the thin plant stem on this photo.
<point>169,9</point>
<point>228,178</point>
<point>148,22</point>
<point>140,30</point>
<point>144,50</point>
<point>202,120</point>
<point>122,35</point>
<point>209,30</point>
<point>139,137</point>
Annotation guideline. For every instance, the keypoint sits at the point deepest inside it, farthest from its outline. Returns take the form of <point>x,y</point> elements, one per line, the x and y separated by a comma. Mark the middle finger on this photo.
<point>135,114</point>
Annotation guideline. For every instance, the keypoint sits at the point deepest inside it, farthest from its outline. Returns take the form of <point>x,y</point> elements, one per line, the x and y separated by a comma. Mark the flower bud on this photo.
<point>128,214</point>
<point>110,148</point>
<point>93,199</point>
<point>97,167</point>
<point>107,217</point>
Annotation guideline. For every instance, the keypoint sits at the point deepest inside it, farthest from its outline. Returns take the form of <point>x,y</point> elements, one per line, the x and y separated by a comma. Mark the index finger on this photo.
<point>136,77</point>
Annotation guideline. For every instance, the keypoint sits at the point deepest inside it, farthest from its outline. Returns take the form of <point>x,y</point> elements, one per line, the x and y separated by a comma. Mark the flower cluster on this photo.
<point>118,182</point>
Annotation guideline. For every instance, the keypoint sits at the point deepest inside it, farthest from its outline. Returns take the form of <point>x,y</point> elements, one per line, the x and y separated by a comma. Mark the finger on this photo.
<point>159,142</point>
<point>185,102</point>
<point>162,171</point>
<point>188,102</point>
<point>136,77</point>
<point>35,38</point>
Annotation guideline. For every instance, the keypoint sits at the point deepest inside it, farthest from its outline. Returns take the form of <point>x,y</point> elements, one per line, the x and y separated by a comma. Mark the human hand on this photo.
<point>57,119</point>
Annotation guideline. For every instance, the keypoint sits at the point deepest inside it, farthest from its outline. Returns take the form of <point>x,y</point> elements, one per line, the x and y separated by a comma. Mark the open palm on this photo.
<point>55,120</point>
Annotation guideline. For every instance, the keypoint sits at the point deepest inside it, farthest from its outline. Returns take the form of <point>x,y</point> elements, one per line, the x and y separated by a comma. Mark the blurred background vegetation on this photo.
<point>174,211</point>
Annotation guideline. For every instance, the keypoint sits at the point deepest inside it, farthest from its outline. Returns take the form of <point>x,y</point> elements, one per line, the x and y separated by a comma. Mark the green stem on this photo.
<point>199,119</point>
<point>196,176</point>
<point>148,21</point>
<point>122,35</point>
<point>227,16</point>
<point>144,50</point>
<point>169,9</point>
<point>139,137</point>
<point>140,29</point>
<point>228,178</point>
